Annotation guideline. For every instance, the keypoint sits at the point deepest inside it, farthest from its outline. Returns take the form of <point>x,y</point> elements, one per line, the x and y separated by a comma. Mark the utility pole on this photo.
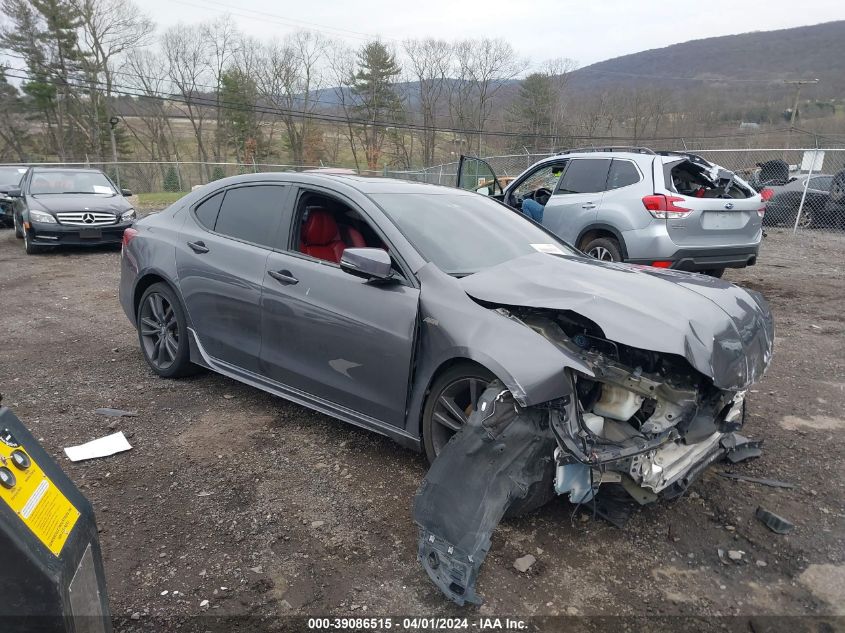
<point>797,83</point>
<point>113,121</point>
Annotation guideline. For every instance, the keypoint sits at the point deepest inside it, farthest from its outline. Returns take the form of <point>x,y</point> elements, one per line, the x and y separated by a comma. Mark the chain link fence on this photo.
<point>804,188</point>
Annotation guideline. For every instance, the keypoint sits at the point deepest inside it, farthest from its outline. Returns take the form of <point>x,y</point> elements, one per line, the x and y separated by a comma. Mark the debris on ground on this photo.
<point>774,522</point>
<point>101,447</point>
<point>743,448</point>
<point>116,413</point>
<point>204,604</point>
<point>524,563</point>
<point>772,483</point>
<point>731,556</point>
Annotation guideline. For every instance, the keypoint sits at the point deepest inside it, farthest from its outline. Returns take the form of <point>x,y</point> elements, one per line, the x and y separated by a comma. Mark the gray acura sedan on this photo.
<point>456,326</point>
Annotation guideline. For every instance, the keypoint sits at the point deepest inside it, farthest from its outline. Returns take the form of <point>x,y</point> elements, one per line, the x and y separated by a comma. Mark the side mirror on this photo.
<point>125,193</point>
<point>370,263</point>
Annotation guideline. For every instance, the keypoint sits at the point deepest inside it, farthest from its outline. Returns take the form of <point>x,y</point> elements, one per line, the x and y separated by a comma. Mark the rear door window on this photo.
<point>622,173</point>
<point>585,175</point>
<point>252,214</point>
<point>208,209</point>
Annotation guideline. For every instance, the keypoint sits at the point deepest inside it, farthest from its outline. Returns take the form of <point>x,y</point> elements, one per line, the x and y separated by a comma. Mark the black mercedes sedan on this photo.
<point>80,207</point>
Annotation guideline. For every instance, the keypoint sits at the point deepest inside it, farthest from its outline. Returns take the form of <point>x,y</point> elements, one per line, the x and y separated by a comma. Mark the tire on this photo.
<point>538,494</point>
<point>18,231</point>
<point>436,434</point>
<point>164,340</point>
<point>29,247</point>
<point>605,249</point>
<point>715,272</point>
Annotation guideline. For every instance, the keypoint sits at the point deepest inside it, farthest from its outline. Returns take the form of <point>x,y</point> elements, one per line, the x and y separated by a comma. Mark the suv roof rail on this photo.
<point>610,148</point>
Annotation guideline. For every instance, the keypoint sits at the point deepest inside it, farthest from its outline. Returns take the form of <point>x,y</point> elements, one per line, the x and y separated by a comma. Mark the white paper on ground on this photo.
<point>102,447</point>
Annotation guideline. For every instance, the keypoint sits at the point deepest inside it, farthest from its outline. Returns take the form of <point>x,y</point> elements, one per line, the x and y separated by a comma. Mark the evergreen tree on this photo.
<point>376,98</point>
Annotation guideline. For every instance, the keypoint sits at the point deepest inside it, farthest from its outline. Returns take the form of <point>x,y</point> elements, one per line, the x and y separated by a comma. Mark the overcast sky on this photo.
<point>586,31</point>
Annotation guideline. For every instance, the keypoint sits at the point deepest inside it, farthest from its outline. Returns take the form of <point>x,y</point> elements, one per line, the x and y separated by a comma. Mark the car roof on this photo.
<point>364,184</point>
<point>589,154</point>
<point>91,170</point>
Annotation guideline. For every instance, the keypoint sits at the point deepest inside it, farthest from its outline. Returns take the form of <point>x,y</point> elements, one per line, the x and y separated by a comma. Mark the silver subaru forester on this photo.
<point>665,209</point>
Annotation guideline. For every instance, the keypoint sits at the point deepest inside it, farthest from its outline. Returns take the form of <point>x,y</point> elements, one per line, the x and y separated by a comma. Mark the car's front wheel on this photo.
<point>451,400</point>
<point>163,332</point>
<point>18,231</point>
<point>29,247</point>
<point>605,249</point>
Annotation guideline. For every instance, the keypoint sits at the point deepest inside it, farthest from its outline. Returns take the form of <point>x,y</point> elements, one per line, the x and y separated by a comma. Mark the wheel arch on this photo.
<point>146,280</point>
<point>597,230</point>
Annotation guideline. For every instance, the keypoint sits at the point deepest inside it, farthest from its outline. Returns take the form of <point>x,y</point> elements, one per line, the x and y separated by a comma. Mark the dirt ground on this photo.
<point>269,510</point>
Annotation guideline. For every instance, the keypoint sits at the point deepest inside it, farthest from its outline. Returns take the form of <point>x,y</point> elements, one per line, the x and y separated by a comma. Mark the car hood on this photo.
<point>724,331</point>
<point>55,203</point>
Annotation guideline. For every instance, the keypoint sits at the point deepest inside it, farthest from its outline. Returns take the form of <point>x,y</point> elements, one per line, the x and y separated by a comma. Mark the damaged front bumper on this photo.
<point>645,421</point>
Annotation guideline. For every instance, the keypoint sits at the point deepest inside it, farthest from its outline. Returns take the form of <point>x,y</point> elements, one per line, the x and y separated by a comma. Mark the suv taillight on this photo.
<point>128,235</point>
<point>767,194</point>
<point>664,207</point>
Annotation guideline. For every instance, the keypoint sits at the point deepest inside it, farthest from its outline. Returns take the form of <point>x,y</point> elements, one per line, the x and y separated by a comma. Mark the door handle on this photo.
<point>588,205</point>
<point>198,247</point>
<point>283,277</point>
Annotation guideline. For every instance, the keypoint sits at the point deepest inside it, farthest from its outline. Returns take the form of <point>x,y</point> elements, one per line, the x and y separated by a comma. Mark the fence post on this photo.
<point>179,176</point>
<point>806,185</point>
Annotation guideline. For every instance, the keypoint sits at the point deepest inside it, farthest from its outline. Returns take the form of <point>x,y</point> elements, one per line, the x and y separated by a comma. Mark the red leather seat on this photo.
<point>352,237</point>
<point>321,237</point>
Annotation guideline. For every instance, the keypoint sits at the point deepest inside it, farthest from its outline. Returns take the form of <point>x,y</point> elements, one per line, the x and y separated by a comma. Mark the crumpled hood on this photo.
<point>724,331</point>
<point>55,203</point>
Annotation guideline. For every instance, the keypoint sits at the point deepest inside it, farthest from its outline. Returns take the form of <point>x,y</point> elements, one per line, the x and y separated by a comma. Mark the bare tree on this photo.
<point>110,28</point>
<point>290,80</point>
<point>186,53</point>
<point>341,70</point>
<point>222,39</point>
<point>483,68</point>
<point>429,61</point>
<point>151,123</point>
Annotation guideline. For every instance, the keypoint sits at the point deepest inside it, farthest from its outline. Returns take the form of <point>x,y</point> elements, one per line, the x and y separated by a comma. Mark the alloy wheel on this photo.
<point>452,409</point>
<point>600,253</point>
<point>159,330</point>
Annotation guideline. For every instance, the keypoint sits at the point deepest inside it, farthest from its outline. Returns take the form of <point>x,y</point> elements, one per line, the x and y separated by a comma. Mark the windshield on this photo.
<point>61,181</point>
<point>11,175</point>
<point>463,234</point>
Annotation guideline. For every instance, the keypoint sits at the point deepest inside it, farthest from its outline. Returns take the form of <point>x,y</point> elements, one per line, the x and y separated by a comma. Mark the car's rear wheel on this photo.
<point>163,332</point>
<point>18,232</point>
<point>450,402</point>
<point>605,249</point>
<point>715,272</point>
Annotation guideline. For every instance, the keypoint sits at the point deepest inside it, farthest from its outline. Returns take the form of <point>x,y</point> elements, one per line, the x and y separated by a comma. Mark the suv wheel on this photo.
<point>605,249</point>
<point>163,332</point>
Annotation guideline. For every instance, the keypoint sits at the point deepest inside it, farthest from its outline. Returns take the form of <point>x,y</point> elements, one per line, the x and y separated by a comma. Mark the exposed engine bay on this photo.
<point>645,420</point>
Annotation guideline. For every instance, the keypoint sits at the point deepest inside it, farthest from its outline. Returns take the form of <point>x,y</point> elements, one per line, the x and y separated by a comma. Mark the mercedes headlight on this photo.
<point>41,217</point>
<point>128,215</point>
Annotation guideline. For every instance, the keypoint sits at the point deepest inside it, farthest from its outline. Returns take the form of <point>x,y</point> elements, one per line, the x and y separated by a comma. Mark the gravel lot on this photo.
<point>294,513</point>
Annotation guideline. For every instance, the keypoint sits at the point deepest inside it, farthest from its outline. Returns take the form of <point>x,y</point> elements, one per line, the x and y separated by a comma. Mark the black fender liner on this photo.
<point>493,461</point>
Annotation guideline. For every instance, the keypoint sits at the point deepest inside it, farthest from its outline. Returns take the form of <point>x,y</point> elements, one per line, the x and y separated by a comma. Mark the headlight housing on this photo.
<point>41,217</point>
<point>127,216</point>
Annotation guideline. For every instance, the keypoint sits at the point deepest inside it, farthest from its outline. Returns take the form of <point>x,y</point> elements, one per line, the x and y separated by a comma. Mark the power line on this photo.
<point>206,102</point>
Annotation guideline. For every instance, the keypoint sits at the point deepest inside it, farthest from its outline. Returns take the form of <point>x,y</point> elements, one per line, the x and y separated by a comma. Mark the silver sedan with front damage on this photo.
<point>456,326</point>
